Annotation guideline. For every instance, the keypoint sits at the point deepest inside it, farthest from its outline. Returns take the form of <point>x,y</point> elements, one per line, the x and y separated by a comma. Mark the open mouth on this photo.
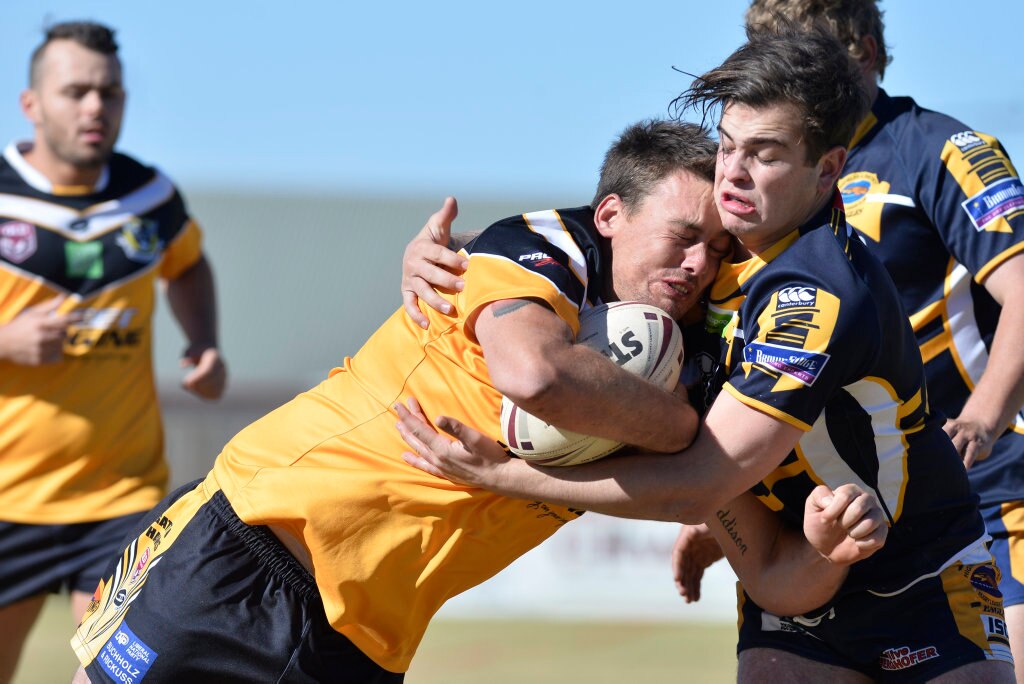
<point>735,204</point>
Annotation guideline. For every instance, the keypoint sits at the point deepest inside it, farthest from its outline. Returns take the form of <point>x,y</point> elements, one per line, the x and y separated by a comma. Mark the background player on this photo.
<point>822,380</point>
<point>376,547</point>
<point>942,206</point>
<point>84,234</point>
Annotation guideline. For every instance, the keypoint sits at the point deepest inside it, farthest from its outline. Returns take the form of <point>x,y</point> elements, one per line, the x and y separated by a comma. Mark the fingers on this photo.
<point>50,305</point>
<point>208,376</point>
<point>439,225</point>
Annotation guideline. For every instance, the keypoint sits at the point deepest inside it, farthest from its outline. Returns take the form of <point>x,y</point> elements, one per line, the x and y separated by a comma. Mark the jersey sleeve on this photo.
<point>803,344</point>
<point>183,242</point>
<point>974,198</point>
<point>509,260</point>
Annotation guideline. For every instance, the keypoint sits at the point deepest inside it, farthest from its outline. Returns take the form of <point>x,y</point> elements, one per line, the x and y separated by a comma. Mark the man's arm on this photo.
<point>533,359</point>
<point>1000,391</point>
<point>789,571</point>
<point>194,305</point>
<point>736,448</point>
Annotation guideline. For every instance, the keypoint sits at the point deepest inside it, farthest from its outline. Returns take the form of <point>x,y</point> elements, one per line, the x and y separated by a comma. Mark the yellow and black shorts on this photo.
<point>201,596</point>
<point>934,626</point>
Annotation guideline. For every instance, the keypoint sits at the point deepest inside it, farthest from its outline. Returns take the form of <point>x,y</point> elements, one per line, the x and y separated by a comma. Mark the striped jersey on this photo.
<point>389,543</point>
<point>941,206</point>
<point>813,334</point>
<point>81,440</point>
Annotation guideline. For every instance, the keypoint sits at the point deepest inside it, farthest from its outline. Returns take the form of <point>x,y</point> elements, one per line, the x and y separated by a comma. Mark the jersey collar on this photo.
<point>14,154</point>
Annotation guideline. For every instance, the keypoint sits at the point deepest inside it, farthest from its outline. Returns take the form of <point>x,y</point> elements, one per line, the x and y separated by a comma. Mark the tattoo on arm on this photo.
<point>507,308</point>
<point>730,526</point>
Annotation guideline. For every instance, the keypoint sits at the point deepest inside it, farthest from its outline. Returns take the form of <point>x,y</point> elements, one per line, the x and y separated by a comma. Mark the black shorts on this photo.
<point>200,596</point>
<point>932,627</point>
<point>40,559</point>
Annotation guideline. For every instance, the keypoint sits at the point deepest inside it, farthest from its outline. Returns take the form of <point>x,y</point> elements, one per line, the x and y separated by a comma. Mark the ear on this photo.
<point>608,214</point>
<point>869,57</point>
<point>29,101</point>
<point>830,166</point>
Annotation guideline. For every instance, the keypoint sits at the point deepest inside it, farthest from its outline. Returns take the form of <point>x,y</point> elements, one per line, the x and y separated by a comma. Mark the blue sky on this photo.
<point>459,97</point>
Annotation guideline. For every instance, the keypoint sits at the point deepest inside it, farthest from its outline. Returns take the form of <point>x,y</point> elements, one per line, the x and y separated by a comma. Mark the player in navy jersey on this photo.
<point>820,382</point>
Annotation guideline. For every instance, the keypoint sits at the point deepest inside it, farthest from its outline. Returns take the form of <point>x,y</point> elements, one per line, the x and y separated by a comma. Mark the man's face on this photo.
<point>76,104</point>
<point>764,186</point>
<point>667,250</point>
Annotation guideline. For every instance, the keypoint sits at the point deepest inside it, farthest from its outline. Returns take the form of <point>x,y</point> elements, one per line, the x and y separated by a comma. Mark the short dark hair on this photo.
<point>88,34</point>
<point>805,68</point>
<point>648,152</point>
<point>848,20</point>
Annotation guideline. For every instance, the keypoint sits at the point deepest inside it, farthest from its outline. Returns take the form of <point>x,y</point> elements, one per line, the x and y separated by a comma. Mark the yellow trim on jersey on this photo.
<point>784,472</point>
<point>1012,514</point>
<point>866,124</point>
<point>766,408</point>
<point>973,176</point>
<point>996,261</point>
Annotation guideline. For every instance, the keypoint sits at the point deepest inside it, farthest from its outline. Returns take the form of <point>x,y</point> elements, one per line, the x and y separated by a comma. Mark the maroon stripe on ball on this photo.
<point>510,437</point>
<point>666,334</point>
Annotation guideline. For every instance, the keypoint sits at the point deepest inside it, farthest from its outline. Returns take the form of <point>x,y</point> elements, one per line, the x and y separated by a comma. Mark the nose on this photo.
<point>734,168</point>
<point>696,260</point>
<point>92,102</point>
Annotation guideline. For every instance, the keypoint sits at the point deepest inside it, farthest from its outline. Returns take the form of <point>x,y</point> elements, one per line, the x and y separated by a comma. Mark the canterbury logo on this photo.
<point>797,296</point>
<point>965,140</point>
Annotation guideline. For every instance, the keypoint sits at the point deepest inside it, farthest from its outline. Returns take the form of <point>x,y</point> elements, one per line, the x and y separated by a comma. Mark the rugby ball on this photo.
<point>641,339</point>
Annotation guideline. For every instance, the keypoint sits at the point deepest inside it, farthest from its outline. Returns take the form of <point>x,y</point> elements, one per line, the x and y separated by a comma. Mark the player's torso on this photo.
<point>327,466</point>
<point>867,421</point>
<point>913,165</point>
<point>75,420</point>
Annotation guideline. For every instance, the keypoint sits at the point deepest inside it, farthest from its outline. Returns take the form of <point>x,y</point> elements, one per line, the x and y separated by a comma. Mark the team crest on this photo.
<point>855,187</point>
<point>17,241</point>
<point>140,240</point>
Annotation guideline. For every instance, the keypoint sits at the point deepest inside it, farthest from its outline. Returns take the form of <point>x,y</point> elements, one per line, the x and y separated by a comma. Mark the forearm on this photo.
<point>779,569</point>
<point>193,303</point>
<point>588,395</point>
<point>999,393</point>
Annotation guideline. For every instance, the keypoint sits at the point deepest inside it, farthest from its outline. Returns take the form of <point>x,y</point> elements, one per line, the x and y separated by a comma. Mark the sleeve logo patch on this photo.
<point>797,296</point>
<point>996,200</point>
<point>966,140</point>
<point>803,366</point>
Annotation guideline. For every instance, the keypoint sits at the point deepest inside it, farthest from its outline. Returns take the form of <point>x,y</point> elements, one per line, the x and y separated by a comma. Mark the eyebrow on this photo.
<point>753,142</point>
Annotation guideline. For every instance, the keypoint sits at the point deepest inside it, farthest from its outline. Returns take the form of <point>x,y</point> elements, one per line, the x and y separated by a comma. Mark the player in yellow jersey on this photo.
<point>85,233</point>
<point>313,552</point>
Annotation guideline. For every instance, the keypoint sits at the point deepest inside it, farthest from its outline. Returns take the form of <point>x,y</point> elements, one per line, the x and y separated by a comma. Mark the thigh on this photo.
<point>758,665</point>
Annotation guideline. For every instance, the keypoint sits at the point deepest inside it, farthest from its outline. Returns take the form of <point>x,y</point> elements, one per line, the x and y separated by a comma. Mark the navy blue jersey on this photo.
<point>813,334</point>
<point>941,206</point>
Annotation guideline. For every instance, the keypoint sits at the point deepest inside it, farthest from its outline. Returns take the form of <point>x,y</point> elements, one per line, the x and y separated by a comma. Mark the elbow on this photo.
<point>533,390</point>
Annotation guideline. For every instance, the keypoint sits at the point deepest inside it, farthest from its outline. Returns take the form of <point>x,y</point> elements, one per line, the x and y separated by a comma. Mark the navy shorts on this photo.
<point>200,596</point>
<point>934,626</point>
<point>1005,523</point>
<point>40,559</point>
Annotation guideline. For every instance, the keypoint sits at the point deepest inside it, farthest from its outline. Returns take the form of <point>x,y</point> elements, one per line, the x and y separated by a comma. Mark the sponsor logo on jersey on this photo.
<point>120,597</point>
<point>893,659</point>
<point>983,579</point>
<point>140,240</point>
<point>84,259</point>
<point>966,140</point>
<point>799,364</point>
<point>797,296</point>
<point>856,186</point>
<point>996,200</point>
<point>140,566</point>
<point>716,319</point>
<point>125,657</point>
<point>17,241</point>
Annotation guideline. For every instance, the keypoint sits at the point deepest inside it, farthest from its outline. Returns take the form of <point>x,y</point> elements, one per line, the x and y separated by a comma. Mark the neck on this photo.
<point>58,171</point>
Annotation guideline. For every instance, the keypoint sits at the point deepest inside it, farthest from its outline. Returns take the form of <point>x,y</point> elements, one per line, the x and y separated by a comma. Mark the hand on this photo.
<point>972,440</point>
<point>428,263</point>
<point>473,459</point>
<point>208,376</point>
<point>35,336</point>
<point>845,526</point>
<point>695,550</point>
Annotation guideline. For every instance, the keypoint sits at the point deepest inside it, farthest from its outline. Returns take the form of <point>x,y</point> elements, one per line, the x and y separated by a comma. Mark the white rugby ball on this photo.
<point>640,338</point>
